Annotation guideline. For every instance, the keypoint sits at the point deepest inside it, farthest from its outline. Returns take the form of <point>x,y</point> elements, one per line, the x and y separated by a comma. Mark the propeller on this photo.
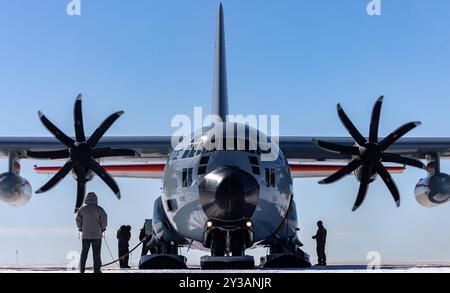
<point>81,154</point>
<point>369,156</point>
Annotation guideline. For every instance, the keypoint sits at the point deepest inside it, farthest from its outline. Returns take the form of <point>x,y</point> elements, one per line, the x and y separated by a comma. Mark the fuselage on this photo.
<point>229,182</point>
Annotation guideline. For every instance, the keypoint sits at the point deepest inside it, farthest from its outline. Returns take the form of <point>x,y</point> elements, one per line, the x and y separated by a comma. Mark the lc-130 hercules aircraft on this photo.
<point>226,201</point>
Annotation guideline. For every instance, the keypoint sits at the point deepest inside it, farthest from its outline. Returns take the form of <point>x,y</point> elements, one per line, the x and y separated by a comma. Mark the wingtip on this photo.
<point>79,97</point>
<point>418,123</point>
<point>118,195</point>
<point>397,203</point>
<point>40,114</point>
<point>339,107</point>
<point>315,141</point>
<point>38,191</point>
<point>322,182</point>
<point>355,208</point>
<point>120,113</point>
<point>380,99</point>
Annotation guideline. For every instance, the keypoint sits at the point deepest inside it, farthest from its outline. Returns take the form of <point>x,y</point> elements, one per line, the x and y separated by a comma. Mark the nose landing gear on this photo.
<point>228,243</point>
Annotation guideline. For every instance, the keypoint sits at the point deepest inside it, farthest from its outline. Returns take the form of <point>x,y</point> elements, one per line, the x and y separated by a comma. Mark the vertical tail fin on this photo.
<point>220,91</point>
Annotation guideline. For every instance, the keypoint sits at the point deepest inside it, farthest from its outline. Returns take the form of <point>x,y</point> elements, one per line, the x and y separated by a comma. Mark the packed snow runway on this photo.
<point>338,268</point>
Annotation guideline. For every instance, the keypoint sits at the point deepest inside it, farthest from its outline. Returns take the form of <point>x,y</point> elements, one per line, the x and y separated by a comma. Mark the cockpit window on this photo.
<point>270,177</point>
<point>186,177</point>
<point>186,153</point>
<point>203,165</point>
<point>192,151</point>
<point>204,160</point>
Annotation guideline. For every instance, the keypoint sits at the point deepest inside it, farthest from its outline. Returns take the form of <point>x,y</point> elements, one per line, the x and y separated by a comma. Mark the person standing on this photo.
<point>91,221</point>
<point>144,238</point>
<point>321,239</point>
<point>123,237</point>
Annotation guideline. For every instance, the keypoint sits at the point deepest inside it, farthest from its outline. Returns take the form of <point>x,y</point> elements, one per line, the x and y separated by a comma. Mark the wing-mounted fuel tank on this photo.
<point>433,190</point>
<point>163,231</point>
<point>14,189</point>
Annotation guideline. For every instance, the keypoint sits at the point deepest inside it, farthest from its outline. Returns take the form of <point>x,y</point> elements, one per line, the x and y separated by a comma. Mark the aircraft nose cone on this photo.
<point>229,194</point>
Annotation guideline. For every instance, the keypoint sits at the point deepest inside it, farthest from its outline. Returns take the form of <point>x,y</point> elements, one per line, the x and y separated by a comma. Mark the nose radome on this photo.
<point>229,194</point>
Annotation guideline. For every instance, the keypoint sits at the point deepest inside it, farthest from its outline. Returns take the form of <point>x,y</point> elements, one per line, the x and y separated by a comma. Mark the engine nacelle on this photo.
<point>14,189</point>
<point>433,190</point>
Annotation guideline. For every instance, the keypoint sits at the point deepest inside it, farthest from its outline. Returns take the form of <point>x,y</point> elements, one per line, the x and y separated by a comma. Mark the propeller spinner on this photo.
<point>81,154</point>
<point>370,154</point>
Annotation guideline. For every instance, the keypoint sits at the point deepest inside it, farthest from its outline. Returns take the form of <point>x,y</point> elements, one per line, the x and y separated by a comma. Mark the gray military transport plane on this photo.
<point>226,201</point>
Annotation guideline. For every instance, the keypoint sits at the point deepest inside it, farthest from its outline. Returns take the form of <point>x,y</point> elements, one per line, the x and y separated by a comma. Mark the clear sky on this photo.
<point>297,59</point>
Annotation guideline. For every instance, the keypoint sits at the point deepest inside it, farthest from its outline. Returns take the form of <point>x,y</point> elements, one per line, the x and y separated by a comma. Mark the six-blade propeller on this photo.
<point>369,156</point>
<point>81,153</point>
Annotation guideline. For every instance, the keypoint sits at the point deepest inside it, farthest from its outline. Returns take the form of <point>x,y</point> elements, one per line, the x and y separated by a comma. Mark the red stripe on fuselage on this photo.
<point>114,168</point>
<point>333,168</point>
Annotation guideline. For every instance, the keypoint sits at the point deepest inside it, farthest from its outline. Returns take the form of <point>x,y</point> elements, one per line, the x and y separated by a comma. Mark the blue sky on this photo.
<point>296,59</point>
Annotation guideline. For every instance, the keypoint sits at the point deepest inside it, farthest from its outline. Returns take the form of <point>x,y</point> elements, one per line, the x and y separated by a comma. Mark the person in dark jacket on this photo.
<point>91,222</point>
<point>321,239</point>
<point>124,236</point>
<point>144,238</point>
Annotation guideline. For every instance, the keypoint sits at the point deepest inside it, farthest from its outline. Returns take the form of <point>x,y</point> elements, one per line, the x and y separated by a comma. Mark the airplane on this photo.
<point>226,201</point>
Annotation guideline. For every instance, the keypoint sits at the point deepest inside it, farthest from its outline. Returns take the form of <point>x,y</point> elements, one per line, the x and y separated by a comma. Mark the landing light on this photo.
<point>249,224</point>
<point>209,224</point>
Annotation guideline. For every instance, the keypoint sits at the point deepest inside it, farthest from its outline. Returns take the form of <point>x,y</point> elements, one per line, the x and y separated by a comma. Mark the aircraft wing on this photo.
<point>154,150</point>
<point>147,148</point>
<point>295,148</point>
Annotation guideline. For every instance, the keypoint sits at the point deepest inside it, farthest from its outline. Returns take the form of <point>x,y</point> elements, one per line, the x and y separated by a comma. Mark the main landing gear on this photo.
<point>285,253</point>
<point>164,255</point>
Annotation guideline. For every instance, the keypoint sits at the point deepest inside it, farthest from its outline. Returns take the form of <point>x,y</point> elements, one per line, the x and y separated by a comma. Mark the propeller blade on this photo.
<point>67,141</point>
<point>97,169</point>
<point>352,166</point>
<point>81,191</point>
<point>348,124</point>
<point>395,158</point>
<point>363,186</point>
<point>101,130</point>
<point>53,155</point>
<point>78,120</point>
<point>397,134</point>
<point>375,121</point>
<point>57,177</point>
<point>342,149</point>
<point>387,178</point>
<point>107,152</point>
<point>81,187</point>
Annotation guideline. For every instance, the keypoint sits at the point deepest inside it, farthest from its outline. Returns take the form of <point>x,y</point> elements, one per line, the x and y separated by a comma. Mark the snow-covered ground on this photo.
<point>336,268</point>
